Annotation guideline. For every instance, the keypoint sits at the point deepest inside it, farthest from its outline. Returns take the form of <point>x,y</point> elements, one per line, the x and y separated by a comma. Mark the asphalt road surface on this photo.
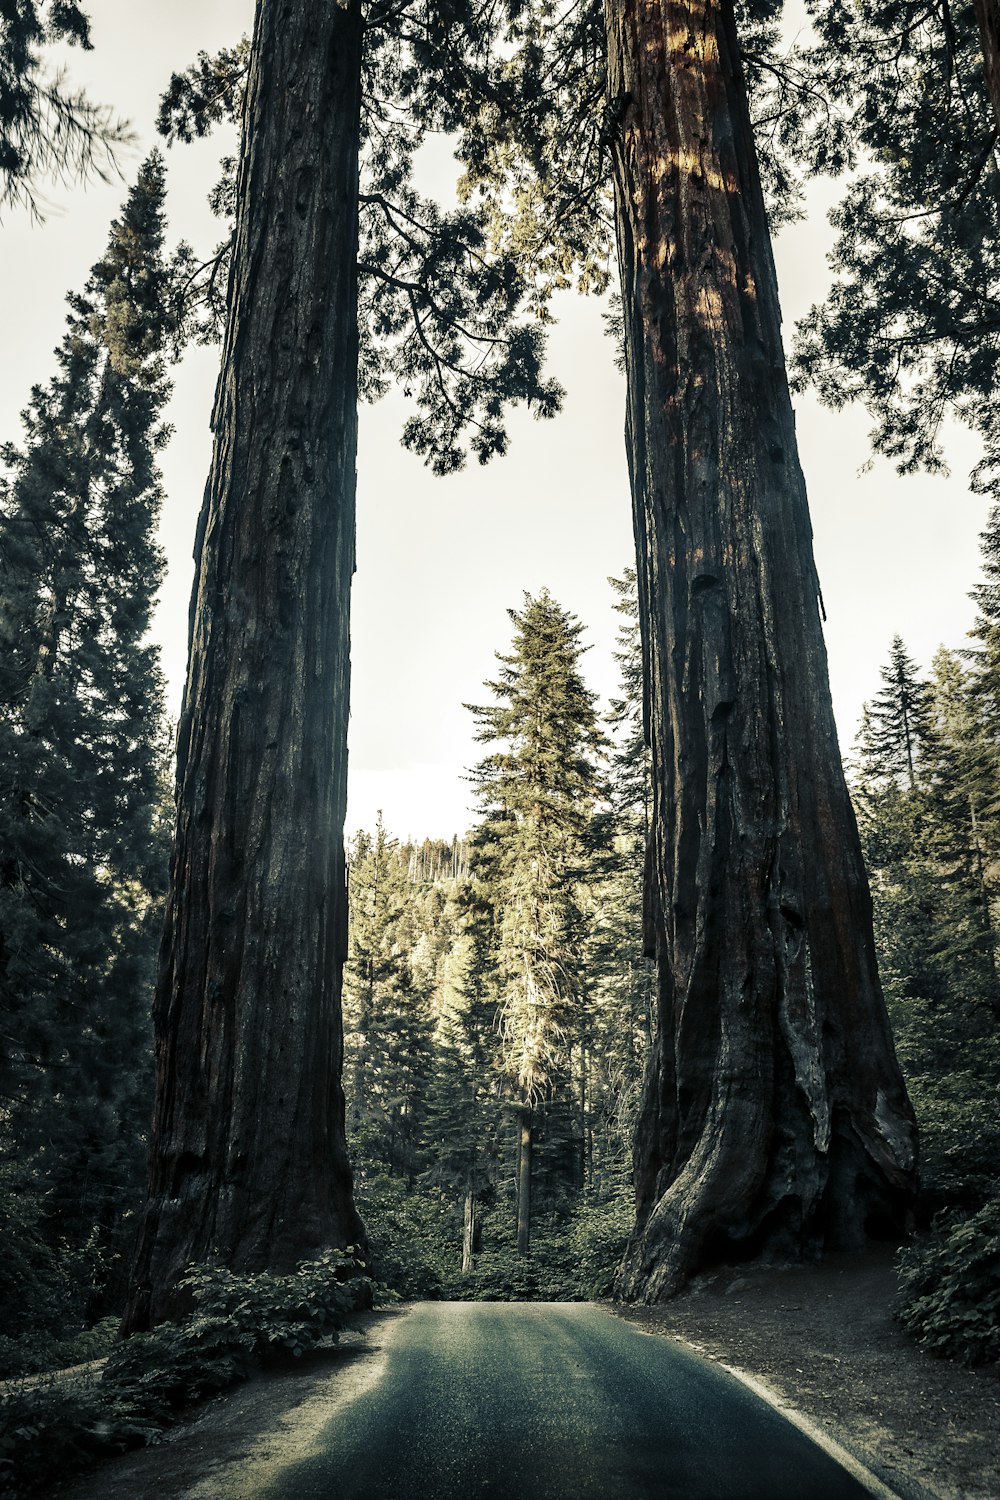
<point>548,1401</point>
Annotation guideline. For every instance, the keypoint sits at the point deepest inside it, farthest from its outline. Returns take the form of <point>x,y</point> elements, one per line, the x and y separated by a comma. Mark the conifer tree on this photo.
<point>248,1159</point>
<point>537,792</point>
<point>621,974</point>
<point>774,1117</point>
<point>464,1124</point>
<point>82,856</point>
<point>388,1028</point>
<point>986,630</point>
<point>897,721</point>
<point>908,324</point>
<point>961,790</point>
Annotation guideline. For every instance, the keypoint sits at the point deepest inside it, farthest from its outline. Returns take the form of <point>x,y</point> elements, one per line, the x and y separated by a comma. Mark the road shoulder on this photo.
<point>821,1343</point>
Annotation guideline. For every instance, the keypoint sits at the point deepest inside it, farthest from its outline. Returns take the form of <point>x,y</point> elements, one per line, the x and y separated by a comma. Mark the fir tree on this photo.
<point>388,1028</point>
<point>537,791</point>
<point>896,722</point>
<point>986,630</point>
<point>961,791</point>
<point>464,1125</point>
<point>81,737</point>
<point>622,977</point>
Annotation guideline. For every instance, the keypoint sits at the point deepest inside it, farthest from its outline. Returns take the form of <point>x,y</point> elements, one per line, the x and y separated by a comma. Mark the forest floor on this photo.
<point>822,1339</point>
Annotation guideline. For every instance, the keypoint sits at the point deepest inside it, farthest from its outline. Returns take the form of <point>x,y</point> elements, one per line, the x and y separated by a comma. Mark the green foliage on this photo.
<point>574,1257</point>
<point>949,1287</point>
<point>909,325</point>
<point>537,791</point>
<point>443,310</point>
<point>83,757</point>
<point>237,1322</point>
<point>46,131</point>
<point>412,1238</point>
<point>927,791</point>
<point>45,1287</point>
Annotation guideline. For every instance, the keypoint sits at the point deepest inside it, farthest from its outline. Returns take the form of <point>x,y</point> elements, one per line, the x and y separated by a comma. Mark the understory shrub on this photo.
<point>413,1241</point>
<point>949,1287</point>
<point>573,1258</point>
<point>237,1323</point>
<point>43,1289</point>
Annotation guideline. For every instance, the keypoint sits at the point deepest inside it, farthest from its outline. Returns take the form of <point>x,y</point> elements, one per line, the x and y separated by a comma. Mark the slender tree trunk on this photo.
<point>524,1180</point>
<point>469,1231</point>
<point>988,16</point>
<point>774,1119</point>
<point>248,1157</point>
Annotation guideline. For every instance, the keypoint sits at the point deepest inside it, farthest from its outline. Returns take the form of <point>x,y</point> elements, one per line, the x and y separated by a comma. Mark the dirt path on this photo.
<point>822,1338</point>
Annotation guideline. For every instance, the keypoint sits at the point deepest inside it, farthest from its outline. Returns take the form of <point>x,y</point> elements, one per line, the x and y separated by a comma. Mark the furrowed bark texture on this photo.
<point>248,1159</point>
<point>774,1119</point>
<point>988,16</point>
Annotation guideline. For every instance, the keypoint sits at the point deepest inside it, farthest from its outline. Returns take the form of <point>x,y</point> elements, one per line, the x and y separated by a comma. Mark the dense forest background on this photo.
<point>497,1000</point>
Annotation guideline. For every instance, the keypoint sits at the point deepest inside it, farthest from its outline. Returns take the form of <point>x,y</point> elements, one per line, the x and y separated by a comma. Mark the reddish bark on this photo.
<point>248,1158</point>
<point>775,1120</point>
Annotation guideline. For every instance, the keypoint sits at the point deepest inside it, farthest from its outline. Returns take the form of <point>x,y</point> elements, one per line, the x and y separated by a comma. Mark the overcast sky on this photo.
<point>441,560</point>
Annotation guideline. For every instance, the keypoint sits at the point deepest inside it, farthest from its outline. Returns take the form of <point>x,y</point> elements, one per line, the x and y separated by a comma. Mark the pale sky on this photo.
<point>441,560</point>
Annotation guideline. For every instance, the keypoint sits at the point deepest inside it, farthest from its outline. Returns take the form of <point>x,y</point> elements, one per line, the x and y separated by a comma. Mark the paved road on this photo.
<point>549,1401</point>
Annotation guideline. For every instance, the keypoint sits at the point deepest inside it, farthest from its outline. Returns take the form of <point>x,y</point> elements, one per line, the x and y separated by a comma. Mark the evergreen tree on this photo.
<point>388,1027</point>
<point>537,792</point>
<point>464,1118</point>
<point>82,754</point>
<point>755,846</point>
<point>897,721</point>
<point>622,977</point>
<point>248,1151</point>
<point>986,630</point>
<point>961,790</point>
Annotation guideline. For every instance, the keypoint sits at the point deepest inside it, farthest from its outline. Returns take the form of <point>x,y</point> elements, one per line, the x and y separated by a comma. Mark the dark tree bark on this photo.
<point>774,1120</point>
<point>248,1158</point>
<point>524,1155</point>
<point>988,16</point>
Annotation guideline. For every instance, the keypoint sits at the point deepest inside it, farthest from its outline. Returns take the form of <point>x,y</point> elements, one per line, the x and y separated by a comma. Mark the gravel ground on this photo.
<point>822,1339</point>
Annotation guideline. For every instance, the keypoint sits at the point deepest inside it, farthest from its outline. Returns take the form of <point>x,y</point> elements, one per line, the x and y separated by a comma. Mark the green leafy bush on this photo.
<point>573,1258</point>
<point>413,1242</point>
<point>52,1429</point>
<point>237,1322</point>
<point>949,1287</point>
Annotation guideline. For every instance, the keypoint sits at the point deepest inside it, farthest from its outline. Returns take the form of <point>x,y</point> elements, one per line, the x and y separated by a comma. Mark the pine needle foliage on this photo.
<point>47,131</point>
<point>909,326</point>
<point>443,311</point>
<point>537,793</point>
<point>82,745</point>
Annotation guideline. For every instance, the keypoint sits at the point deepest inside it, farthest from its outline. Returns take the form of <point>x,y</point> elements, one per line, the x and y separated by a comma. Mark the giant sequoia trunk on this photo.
<point>248,1158</point>
<point>774,1119</point>
<point>988,16</point>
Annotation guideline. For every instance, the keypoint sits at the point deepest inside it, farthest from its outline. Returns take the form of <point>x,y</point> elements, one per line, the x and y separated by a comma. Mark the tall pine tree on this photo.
<point>537,791</point>
<point>82,854</point>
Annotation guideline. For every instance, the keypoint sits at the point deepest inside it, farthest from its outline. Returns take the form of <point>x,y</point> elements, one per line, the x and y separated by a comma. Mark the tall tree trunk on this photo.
<point>774,1118</point>
<point>524,1179</point>
<point>988,16</point>
<point>248,1157</point>
<point>469,1230</point>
